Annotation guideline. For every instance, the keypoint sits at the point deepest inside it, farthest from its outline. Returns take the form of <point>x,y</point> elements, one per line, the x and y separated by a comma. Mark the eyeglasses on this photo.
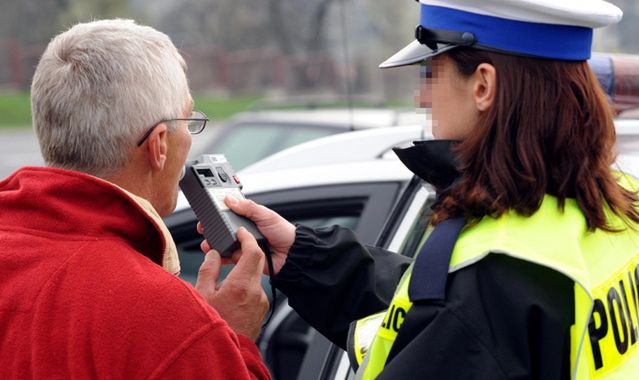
<point>196,123</point>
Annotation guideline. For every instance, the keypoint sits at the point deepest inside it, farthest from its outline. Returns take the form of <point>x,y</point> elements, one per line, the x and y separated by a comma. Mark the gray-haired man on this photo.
<point>88,268</point>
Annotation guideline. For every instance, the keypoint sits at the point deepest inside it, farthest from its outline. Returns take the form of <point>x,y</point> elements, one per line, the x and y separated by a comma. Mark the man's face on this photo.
<point>178,144</point>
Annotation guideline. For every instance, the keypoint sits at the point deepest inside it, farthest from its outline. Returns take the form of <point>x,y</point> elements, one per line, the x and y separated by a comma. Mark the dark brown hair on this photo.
<point>550,131</point>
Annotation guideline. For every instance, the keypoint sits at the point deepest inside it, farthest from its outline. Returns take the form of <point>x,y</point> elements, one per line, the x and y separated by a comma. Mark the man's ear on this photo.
<point>157,147</point>
<point>485,86</point>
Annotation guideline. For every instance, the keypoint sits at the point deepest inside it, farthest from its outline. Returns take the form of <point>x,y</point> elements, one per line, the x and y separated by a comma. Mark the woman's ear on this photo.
<point>485,86</point>
<point>157,147</point>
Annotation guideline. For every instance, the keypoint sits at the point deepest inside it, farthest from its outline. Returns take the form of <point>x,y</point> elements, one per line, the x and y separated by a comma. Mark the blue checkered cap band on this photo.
<point>553,29</point>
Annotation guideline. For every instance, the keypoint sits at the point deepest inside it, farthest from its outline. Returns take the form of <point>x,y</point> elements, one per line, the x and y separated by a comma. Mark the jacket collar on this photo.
<point>433,161</point>
<point>170,258</point>
<point>74,205</point>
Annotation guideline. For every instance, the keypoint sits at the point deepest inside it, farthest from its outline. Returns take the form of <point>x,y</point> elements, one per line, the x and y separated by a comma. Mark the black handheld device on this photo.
<point>206,182</point>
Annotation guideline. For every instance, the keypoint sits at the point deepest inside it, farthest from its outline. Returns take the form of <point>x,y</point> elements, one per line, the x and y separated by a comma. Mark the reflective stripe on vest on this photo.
<point>604,267</point>
<point>372,337</point>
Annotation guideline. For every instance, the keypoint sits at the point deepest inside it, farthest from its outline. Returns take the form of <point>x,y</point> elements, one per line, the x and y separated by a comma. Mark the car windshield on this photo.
<point>263,139</point>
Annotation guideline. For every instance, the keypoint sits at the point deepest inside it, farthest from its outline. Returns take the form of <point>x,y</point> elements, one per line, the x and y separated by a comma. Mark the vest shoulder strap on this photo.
<point>433,260</point>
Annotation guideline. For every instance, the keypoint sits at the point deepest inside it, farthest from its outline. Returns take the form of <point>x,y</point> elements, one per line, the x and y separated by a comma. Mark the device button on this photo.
<point>210,182</point>
<point>223,176</point>
<point>237,180</point>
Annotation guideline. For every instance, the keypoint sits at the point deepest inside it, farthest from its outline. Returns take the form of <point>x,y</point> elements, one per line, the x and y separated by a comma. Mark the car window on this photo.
<point>307,134</point>
<point>191,255</point>
<point>246,143</point>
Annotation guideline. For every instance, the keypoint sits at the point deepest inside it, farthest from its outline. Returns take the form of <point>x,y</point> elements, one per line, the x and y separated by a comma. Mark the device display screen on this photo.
<point>205,172</point>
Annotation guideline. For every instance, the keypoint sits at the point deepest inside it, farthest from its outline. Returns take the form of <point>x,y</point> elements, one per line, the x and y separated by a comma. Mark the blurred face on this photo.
<point>450,96</point>
<point>178,144</point>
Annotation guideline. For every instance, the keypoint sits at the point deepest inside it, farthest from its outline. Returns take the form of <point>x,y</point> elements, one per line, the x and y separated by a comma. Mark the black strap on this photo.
<point>431,37</point>
<point>269,263</point>
<point>430,271</point>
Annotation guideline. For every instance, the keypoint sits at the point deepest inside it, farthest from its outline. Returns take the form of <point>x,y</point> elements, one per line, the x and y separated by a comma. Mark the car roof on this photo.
<point>363,156</point>
<point>341,148</point>
<point>356,118</point>
<point>625,126</point>
<point>375,143</point>
<point>313,164</point>
<point>352,172</point>
<point>372,171</point>
<point>627,136</point>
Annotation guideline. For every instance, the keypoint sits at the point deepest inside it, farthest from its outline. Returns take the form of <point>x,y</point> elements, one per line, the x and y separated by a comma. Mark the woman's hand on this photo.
<point>279,233</point>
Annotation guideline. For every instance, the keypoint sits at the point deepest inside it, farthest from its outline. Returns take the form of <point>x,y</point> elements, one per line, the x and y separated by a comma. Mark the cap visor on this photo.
<point>413,53</point>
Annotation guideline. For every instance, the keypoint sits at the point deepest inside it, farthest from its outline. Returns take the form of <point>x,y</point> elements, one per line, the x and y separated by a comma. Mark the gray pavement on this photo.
<point>19,147</point>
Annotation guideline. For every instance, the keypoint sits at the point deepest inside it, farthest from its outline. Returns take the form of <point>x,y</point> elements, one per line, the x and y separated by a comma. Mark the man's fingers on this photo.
<point>233,259</point>
<point>209,273</point>
<point>200,229</point>
<point>205,246</point>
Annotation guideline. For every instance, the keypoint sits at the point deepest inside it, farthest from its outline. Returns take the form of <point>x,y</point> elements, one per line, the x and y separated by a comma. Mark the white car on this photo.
<point>346,158</point>
<point>251,136</point>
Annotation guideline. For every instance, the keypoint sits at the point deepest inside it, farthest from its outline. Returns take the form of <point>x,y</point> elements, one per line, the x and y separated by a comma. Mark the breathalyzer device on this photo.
<point>206,182</point>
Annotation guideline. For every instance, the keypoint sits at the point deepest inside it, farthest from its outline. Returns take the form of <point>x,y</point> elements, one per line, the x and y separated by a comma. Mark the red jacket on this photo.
<point>83,294</point>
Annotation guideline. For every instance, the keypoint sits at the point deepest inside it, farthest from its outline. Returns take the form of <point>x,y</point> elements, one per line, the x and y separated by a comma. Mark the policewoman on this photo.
<point>531,269</point>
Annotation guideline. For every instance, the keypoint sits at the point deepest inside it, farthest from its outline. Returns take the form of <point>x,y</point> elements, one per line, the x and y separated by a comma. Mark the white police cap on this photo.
<point>554,29</point>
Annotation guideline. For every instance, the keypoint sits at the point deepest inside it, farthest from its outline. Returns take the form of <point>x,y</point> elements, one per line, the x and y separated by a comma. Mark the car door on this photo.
<point>363,207</point>
<point>402,234</point>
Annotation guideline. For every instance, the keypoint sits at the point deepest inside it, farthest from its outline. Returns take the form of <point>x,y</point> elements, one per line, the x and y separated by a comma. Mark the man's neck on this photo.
<point>134,179</point>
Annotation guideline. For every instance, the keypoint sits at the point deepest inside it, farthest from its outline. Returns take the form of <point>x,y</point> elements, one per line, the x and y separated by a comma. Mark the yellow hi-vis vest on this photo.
<point>604,267</point>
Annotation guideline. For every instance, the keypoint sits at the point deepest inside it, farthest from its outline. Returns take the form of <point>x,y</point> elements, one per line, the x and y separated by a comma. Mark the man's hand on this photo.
<point>239,299</point>
<point>279,232</point>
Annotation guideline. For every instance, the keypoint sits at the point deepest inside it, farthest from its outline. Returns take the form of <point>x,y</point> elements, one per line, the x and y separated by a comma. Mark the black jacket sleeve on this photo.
<point>331,279</point>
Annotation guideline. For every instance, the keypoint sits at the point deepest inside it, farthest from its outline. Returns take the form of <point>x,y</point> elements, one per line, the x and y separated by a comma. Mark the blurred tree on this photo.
<point>620,38</point>
<point>295,28</point>
<point>628,26</point>
<point>25,28</point>
<point>229,24</point>
<point>86,10</point>
<point>298,27</point>
<point>30,22</point>
<point>393,25</point>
